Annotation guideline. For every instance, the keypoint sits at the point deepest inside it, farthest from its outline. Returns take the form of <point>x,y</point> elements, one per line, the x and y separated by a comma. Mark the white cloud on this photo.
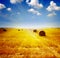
<point>18,13</point>
<point>53,6</point>
<point>9,9</point>
<point>27,1</point>
<point>15,1</point>
<point>34,11</point>
<point>51,14</point>
<point>2,6</point>
<point>34,3</point>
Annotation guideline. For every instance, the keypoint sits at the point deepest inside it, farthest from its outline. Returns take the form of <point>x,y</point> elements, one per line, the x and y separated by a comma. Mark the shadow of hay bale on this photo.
<point>42,33</point>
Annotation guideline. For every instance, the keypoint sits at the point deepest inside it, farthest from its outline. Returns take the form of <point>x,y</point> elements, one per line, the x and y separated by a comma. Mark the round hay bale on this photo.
<point>35,30</point>
<point>18,29</point>
<point>42,33</point>
<point>2,30</point>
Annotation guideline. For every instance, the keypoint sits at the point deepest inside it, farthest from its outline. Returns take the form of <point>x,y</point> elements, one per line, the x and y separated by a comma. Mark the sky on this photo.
<point>29,13</point>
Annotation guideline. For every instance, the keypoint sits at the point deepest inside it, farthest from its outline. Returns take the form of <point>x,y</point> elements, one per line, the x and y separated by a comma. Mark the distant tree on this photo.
<point>42,33</point>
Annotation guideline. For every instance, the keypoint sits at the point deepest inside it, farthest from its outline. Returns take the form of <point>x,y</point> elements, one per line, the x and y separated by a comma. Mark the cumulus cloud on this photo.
<point>18,13</point>
<point>27,1</point>
<point>15,1</point>
<point>9,9</point>
<point>51,14</point>
<point>34,11</point>
<point>53,6</point>
<point>2,6</point>
<point>34,3</point>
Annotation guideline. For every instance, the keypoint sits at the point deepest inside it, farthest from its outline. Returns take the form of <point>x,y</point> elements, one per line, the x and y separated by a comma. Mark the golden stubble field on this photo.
<point>25,43</point>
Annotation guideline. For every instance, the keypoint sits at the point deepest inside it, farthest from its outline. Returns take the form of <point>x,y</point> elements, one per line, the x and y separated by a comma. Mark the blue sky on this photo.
<point>29,13</point>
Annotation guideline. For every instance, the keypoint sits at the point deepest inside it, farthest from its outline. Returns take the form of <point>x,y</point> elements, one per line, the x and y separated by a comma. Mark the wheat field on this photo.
<point>25,43</point>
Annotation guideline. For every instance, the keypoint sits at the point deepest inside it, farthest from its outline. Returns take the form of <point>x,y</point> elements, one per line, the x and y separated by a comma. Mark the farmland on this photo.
<point>26,43</point>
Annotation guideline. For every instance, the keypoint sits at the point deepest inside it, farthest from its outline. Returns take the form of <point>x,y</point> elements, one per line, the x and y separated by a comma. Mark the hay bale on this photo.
<point>2,30</point>
<point>18,29</point>
<point>35,30</point>
<point>42,33</point>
